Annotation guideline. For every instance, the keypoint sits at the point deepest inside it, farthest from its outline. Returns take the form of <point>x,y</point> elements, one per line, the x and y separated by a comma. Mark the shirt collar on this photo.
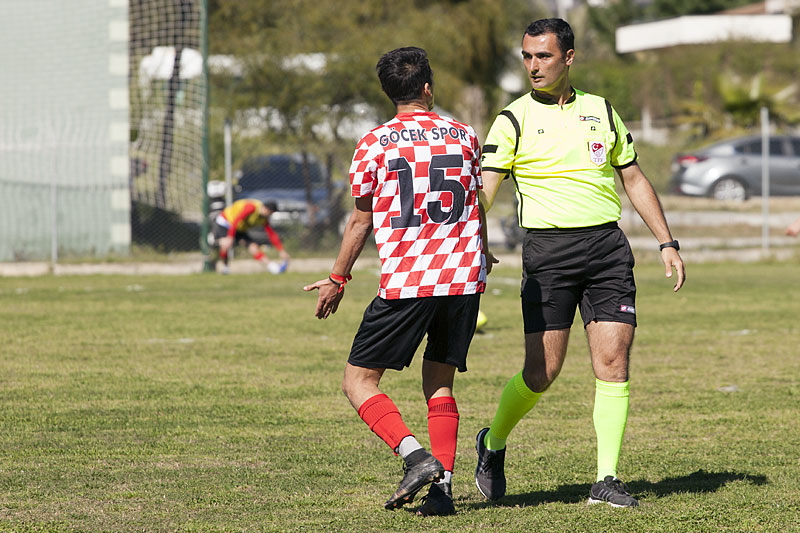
<point>550,102</point>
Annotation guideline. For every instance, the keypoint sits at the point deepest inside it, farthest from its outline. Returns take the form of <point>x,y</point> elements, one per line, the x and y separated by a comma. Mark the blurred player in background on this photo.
<point>562,147</point>
<point>793,229</point>
<point>415,180</point>
<point>231,225</point>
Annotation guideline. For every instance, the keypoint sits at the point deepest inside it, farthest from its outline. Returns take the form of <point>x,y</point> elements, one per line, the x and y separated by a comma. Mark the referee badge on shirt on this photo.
<point>597,152</point>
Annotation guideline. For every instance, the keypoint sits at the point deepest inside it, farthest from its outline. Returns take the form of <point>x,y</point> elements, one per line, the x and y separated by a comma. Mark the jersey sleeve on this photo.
<point>501,142</point>
<point>273,237</point>
<point>364,167</point>
<point>624,152</point>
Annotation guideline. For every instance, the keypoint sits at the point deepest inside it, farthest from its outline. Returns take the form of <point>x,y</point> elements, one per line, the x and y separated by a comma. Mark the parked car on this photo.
<point>731,169</point>
<point>282,179</point>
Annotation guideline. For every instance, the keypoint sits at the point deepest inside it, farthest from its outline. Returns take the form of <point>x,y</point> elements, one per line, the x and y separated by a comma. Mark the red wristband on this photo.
<point>340,280</point>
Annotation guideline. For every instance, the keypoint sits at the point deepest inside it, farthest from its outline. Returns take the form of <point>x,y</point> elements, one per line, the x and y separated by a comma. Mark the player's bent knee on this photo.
<point>536,381</point>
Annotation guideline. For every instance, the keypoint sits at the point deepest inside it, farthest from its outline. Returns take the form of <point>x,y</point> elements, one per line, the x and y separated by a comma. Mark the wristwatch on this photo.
<point>670,244</point>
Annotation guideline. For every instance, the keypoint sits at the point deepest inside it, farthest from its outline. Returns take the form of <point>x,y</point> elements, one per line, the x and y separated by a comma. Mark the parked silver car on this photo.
<point>731,169</point>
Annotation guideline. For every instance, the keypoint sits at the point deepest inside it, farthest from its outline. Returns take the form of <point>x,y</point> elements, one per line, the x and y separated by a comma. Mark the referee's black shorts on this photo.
<point>589,267</point>
<point>392,330</point>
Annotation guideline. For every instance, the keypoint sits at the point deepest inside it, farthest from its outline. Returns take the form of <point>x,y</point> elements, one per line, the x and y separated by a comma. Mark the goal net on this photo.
<point>168,99</point>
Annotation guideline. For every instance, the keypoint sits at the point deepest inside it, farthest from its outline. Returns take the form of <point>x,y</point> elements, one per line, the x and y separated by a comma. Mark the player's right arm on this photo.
<point>356,233</point>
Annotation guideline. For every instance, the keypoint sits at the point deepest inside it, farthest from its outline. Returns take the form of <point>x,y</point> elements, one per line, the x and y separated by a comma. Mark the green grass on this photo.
<point>212,403</point>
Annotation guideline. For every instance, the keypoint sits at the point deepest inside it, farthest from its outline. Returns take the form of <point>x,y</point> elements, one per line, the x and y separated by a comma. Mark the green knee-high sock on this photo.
<point>517,399</point>
<point>610,417</point>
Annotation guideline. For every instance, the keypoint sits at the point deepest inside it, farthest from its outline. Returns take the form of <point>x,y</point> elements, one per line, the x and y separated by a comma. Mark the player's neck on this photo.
<point>415,106</point>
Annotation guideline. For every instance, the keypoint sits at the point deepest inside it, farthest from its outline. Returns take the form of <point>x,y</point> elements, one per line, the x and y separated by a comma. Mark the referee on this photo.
<point>561,146</point>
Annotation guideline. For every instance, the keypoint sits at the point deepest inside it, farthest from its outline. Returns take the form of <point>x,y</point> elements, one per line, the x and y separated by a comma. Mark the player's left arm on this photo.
<point>645,200</point>
<point>356,233</point>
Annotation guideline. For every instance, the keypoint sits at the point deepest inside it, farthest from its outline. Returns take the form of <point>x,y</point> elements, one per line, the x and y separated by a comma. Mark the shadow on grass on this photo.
<point>697,482</point>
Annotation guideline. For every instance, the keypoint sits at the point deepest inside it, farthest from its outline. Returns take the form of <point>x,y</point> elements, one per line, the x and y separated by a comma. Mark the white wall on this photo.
<point>64,128</point>
<point>699,29</point>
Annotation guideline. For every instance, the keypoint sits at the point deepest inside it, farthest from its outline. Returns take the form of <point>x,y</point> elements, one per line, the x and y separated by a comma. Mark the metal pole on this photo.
<point>561,9</point>
<point>765,180</point>
<point>208,263</point>
<point>228,171</point>
<point>53,225</point>
<point>228,164</point>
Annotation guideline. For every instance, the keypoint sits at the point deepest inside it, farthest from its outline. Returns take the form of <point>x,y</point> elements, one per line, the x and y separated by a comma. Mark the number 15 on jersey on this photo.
<point>438,183</point>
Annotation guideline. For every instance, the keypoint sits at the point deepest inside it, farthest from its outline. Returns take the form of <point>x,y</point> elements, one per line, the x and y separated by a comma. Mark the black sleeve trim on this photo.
<point>490,149</point>
<point>498,170</point>
<point>629,138</point>
<point>626,165</point>
<point>611,123</point>
<point>514,122</point>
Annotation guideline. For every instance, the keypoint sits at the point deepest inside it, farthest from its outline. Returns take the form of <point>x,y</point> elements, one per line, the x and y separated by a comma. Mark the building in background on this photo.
<point>762,22</point>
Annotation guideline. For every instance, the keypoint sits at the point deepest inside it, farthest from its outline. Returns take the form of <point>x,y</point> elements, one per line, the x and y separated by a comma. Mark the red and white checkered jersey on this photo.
<point>423,173</point>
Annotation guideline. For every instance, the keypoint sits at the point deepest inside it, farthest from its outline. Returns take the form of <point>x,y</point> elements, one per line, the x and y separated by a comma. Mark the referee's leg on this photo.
<point>609,344</point>
<point>544,357</point>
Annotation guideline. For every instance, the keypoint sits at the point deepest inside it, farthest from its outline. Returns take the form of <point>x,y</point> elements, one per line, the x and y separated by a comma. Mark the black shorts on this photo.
<point>392,330</point>
<point>221,232</point>
<point>563,268</point>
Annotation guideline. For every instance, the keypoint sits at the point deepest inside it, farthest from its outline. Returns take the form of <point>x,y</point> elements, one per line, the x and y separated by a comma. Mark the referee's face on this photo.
<point>547,66</point>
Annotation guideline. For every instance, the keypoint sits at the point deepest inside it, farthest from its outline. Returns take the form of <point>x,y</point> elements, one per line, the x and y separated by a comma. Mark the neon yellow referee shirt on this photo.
<point>561,158</point>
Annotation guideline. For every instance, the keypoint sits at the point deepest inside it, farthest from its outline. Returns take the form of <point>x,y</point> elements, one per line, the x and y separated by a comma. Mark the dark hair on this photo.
<point>271,205</point>
<point>558,27</point>
<point>403,73</point>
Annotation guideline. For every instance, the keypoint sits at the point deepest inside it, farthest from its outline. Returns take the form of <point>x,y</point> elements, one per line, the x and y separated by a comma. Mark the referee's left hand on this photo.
<point>672,260</point>
<point>491,260</point>
<point>329,297</point>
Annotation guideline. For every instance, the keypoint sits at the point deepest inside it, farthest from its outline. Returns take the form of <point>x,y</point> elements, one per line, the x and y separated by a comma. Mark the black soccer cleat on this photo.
<point>613,492</point>
<point>490,477</point>
<point>438,501</point>
<point>420,469</point>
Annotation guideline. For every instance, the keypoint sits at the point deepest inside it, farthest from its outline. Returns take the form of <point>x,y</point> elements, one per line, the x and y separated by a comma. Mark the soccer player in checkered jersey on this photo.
<point>415,180</point>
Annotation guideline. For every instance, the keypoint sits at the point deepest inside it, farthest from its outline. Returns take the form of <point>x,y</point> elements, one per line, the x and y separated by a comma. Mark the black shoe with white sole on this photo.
<point>613,492</point>
<point>490,477</point>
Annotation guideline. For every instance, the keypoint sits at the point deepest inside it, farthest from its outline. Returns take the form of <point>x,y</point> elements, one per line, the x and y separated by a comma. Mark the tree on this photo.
<point>308,67</point>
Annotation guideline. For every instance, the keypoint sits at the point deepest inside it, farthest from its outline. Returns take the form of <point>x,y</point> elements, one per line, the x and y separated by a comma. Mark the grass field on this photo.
<point>212,403</point>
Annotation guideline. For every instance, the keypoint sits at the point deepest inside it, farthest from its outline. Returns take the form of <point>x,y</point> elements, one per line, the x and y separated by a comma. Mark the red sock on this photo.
<point>382,416</point>
<point>443,429</point>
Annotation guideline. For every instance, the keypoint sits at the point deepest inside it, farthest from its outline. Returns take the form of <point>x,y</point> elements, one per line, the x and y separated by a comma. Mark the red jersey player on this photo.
<point>415,180</point>
<point>232,223</point>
